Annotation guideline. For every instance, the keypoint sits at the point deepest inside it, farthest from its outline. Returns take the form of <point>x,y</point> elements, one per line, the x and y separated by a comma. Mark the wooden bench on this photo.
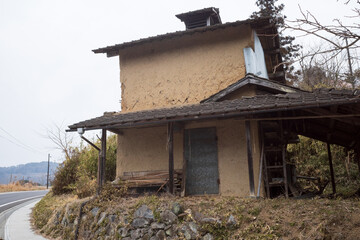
<point>151,179</point>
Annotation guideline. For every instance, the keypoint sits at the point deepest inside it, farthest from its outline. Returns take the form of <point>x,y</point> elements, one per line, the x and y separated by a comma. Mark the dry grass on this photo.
<point>15,187</point>
<point>318,218</point>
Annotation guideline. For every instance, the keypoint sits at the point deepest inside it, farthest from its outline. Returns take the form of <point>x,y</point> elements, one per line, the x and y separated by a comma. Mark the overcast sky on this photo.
<point>48,74</point>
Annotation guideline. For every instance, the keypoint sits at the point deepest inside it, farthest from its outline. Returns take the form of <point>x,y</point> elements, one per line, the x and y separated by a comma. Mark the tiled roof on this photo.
<point>239,107</point>
<point>114,49</point>
<point>255,80</point>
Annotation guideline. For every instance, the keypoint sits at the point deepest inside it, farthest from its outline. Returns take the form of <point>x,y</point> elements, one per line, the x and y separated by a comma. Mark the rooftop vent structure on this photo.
<point>200,18</point>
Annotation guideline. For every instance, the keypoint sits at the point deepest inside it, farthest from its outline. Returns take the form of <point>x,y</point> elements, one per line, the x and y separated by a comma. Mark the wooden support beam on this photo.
<point>283,155</point>
<point>171,157</point>
<point>101,162</point>
<point>250,158</point>
<point>357,155</point>
<point>331,168</point>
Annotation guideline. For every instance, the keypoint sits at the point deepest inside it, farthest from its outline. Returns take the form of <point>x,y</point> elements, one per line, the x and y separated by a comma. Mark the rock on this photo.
<point>135,234</point>
<point>156,225</point>
<point>65,221</point>
<point>193,227</point>
<point>144,212</point>
<point>168,217</point>
<point>185,231</point>
<point>123,231</point>
<point>150,232</point>
<point>84,218</point>
<point>112,218</point>
<point>127,238</point>
<point>169,231</point>
<point>139,223</point>
<point>198,216</point>
<point>231,221</point>
<point>161,235</point>
<point>146,237</point>
<point>95,211</point>
<point>176,208</point>
<point>211,220</point>
<point>102,217</point>
<point>76,221</point>
<point>154,238</point>
<point>57,218</point>
<point>208,236</point>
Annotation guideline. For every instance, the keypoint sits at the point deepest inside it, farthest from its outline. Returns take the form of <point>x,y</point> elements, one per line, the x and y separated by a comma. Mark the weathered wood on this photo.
<point>331,168</point>
<point>155,178</point>
<point>171,157</point>
<point>117,131</point>
<point>93,145</point>
<point>357,155</point>
<point>250,158</point>
<point>260,169</point>
<point>103,158</point>
<point>283,155</point>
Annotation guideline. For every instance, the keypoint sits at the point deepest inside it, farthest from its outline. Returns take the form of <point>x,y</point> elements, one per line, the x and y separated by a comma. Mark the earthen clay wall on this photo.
<point>182,70</point>
<point>145,149</point>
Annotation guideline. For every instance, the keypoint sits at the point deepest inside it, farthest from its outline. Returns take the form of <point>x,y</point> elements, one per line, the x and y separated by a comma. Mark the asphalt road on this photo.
<point>9,202</point>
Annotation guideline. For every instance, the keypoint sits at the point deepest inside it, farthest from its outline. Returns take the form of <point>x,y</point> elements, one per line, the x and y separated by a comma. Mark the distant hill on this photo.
<point>35,172</point>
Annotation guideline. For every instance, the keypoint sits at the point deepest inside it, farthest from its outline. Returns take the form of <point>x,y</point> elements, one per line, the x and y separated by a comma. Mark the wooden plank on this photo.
<point>331,168</point>
<point>171,156</point>
<point>250,159</point>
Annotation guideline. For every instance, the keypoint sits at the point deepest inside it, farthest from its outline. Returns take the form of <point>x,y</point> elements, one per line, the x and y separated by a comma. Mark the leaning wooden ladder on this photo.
<point>274,153</point>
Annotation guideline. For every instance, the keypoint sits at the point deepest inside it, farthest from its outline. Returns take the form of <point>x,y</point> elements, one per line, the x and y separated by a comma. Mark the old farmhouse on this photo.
<point>207,110</point>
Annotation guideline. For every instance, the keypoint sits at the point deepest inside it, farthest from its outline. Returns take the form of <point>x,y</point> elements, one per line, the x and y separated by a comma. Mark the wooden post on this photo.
<point>250,159</point>
<point>331,168</point>
<point>103,156</point>
<point>101,162</point>
<point>283,154</point>
<point>171,157</point>
<point>98,175</point>
<point>357,156</point>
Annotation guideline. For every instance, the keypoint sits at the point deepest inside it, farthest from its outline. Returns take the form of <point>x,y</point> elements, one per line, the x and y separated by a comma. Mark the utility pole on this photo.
<point>47,179</point>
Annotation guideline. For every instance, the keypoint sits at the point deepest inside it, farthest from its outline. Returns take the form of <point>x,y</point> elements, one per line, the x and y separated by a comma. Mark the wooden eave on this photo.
<point>250,79</point>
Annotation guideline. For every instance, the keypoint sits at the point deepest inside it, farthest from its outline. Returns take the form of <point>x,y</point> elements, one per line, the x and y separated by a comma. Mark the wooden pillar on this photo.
<point>283,155</point>
<point>357,156</point>
<point>250,158</point>
<point>98,174</point>
<point>101,162</point>
<point>171,157</point>
<point>331,168</point>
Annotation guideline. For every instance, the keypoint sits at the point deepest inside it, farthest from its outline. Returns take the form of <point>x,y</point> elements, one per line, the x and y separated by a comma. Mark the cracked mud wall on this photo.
<point>144,149</point>
<point>182,70</point>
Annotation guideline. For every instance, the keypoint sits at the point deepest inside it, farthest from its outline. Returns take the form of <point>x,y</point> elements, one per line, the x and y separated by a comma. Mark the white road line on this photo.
<point>23,191</point>
<point>20,200</point>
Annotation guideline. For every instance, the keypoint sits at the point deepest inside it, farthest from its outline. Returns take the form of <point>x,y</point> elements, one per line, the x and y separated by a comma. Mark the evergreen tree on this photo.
<point>290,50</point>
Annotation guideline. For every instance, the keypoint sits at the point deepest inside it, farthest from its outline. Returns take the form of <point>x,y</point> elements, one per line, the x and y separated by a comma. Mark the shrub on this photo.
<point>78,173</point>
<point>65,176</point>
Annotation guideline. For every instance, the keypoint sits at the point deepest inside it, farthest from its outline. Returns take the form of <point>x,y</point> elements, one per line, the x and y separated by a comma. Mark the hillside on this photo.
<point>35,172</point>
<point>205,217</point>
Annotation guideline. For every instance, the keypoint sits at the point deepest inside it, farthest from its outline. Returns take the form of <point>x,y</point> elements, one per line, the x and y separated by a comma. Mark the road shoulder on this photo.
<point>18,224</point>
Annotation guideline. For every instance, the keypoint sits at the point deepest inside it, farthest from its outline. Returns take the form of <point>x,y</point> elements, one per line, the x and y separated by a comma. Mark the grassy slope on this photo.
<point>257,219</point>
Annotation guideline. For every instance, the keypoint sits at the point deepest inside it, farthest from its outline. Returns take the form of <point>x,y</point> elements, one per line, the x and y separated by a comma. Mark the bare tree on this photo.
<point>61,139</point>
<point>340,39</point>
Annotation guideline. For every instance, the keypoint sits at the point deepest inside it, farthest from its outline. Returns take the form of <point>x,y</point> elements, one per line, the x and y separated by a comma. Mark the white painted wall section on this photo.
<point>255,59</point>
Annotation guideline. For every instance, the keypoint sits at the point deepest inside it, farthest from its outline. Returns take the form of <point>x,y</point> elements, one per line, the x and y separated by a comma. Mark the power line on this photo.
<point>18,142</point>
